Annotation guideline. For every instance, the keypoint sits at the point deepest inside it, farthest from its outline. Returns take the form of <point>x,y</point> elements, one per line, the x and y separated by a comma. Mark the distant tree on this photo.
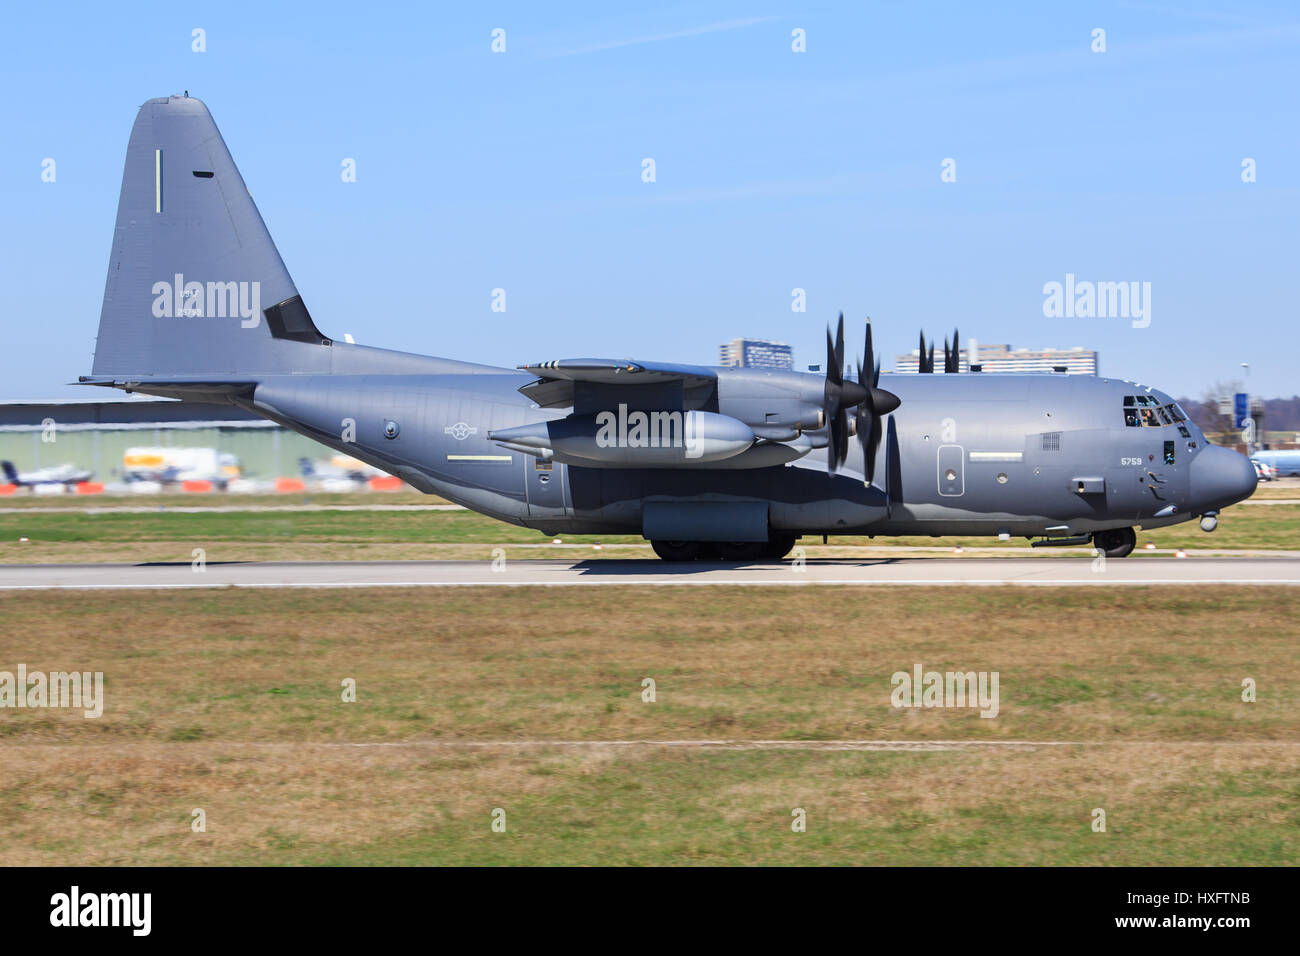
<point>1215,422</point>
<point>1280,414</point>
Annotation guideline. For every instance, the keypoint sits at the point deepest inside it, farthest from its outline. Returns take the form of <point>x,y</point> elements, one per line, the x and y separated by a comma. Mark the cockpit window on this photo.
<point>1143,411</point>
<point>1132,417</point>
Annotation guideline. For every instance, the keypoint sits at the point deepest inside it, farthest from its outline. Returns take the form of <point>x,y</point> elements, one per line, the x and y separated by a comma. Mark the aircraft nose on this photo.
<point>1220,477</point>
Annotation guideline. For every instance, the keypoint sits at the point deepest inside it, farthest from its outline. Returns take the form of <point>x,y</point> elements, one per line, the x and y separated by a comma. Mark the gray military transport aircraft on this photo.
<point>735,463</point>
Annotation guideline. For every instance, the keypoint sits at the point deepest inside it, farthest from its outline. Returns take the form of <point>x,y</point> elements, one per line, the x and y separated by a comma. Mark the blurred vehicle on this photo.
<point>173,465</point>
<point>1286,460</point>
<point>339,472</point>
<point>1264,470</point>
<point>66,475</point>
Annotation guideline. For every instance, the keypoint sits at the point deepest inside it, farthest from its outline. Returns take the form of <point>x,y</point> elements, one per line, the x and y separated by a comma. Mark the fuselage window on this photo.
<point>1169,453</point>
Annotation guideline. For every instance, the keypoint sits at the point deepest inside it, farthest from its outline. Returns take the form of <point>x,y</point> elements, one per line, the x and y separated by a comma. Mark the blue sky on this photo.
<point>775,170</point>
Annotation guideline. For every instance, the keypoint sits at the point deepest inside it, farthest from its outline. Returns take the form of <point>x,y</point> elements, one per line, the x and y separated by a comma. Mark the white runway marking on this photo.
<point>215,509</point>
<point>817,745</point>
<point>856,572</point>
<point>901,746</point>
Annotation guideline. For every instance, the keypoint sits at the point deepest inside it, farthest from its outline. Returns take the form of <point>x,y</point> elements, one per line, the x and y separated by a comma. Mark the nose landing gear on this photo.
<point>1116,542</point>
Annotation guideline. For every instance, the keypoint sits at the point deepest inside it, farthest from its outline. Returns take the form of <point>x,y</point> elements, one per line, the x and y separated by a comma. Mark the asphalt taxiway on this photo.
<point>1137,571</point>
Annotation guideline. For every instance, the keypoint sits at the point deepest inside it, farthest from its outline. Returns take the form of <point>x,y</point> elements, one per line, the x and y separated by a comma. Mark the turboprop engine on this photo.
<point>632,438</point>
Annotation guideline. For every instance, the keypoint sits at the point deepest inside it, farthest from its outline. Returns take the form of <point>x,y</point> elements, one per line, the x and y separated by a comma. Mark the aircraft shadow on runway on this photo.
<point>635,567</point>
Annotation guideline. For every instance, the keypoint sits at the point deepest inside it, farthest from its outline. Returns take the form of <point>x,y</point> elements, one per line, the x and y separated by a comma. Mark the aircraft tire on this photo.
<point>677,550</point>
<point>778,546</point>
<point>741,550</point>
<point>1115,543</point>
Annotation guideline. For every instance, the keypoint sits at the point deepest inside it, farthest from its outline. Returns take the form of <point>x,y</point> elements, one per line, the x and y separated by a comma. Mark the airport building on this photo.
<point>96,435</point>
<point>755,353</point>
<point>1003,358</point>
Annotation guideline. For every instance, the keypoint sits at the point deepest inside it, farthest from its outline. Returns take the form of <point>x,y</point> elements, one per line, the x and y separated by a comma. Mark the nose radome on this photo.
<point>1220,477</point>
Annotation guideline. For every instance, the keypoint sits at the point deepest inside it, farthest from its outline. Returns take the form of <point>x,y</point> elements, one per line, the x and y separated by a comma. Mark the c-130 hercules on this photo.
<point>734,463</point>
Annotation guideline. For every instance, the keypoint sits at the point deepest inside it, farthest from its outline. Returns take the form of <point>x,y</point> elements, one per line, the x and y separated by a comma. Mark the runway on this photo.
<point>1043,571</point>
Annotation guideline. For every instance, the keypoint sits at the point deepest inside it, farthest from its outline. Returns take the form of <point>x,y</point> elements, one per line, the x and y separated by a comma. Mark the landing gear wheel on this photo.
<point>778,546</point>
<point>677,550</point>
<point>1115,543</point>
<point>741,550</point>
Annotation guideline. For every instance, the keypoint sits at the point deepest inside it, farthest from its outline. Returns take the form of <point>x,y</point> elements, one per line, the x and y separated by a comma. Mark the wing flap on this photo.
<point>560,383</point>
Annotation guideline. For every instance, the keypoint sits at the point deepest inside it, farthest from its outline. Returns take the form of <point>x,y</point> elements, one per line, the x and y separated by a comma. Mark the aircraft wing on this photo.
<point>556,380</point>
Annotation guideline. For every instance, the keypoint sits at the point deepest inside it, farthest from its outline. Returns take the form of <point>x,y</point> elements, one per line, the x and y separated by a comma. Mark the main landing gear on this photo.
<point>775,548</point>
<point>1115,543</point>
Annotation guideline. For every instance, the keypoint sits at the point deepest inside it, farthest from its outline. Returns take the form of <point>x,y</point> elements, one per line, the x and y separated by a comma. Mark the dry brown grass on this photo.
<point>230,701</point>
<point>408,803</point>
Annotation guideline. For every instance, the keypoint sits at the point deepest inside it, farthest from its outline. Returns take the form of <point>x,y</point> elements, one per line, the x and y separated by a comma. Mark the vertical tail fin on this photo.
<point>196,289</point>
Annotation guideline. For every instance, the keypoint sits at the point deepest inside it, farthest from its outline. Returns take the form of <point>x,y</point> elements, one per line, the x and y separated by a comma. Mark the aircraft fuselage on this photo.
<point>977,454</point>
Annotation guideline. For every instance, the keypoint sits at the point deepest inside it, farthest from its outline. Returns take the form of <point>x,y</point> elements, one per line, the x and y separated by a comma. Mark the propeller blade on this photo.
<point>869,360</point>
<point>869,416</point>
<point>893,470</point>
<point>956,353</point>
<point>833,373</point>
<point>922,365</point>
<point>873,445</point>
<point>835,353</point>
<point>838,447</point>
<point>839,349</point>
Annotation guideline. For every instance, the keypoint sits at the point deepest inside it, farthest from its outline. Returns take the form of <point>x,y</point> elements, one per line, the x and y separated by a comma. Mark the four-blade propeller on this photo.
<point>871,412</point>
<point>840,396</point>
<point>870,401</point>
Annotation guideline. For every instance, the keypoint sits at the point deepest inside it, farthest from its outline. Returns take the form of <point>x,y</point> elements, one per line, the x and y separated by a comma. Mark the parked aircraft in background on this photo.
<point>66,475</point>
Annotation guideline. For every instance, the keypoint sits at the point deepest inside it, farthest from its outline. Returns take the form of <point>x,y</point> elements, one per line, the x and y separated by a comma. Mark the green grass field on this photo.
<point>529,701</point>
<point>473,700</point>
<point>169,535</point>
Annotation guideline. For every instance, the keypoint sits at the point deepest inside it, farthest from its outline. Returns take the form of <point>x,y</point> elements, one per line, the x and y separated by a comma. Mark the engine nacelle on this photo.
<point>776,403</point>
<point>634,438</point>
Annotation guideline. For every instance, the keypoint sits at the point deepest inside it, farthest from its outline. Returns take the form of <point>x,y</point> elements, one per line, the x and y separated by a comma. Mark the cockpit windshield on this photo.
<point>1144,411</point>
